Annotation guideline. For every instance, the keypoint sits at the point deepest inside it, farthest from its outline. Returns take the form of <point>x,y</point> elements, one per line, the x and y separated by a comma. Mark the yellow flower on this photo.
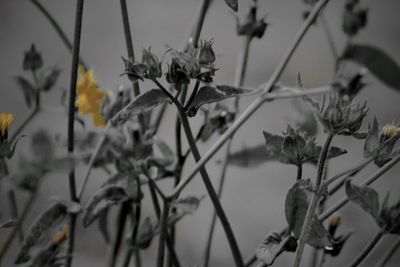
<point>90,97</point>
<point>391,130</point>
<point>6,121</point>
<point>61,236</point>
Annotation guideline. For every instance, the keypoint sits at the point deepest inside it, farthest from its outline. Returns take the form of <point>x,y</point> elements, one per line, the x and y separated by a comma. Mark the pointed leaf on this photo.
<point>28,90</point>
<point>377,61</point>
<point>145,234</point>
<point>296,205</point>
<point>8,224</point>
<point>365,197</point>
<point>43,225</point>
<point>232,4</point>
<point>141,104</point>
<point>273,246</point>
<point>102,199</point>
<point>210,94</point>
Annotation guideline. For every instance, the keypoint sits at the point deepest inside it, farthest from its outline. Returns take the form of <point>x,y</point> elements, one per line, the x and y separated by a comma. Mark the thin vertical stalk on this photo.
<point>58,29</point>
<point>389,254</point>
<point>131,53</point>
<point>125,209</point>
<point>71,121</point>
<point>299,172</point>
<point>163,234</point>
<point>368,248</point>
<point>14,211</point>
<point>213,195</point>
<point>239,78</point>
<point>314,201</point>
<point>20,221</point>
<point>329,36</point>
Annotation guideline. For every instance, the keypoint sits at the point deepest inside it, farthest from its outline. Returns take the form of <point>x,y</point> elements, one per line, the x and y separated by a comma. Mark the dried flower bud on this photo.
<point>206,54</point>
<point>153,65</point>
<point>135,71</point>
<point>177,75</point>
<point>354,18</point>
<point>32,59</point>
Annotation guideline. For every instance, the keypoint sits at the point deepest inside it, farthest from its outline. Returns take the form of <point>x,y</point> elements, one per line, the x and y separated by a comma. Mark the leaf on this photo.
<point>377,61</point>
<point>8,224</point>
<point>102,199</point>
<point>365,197</point>
<point>28,90</point>
<point>372,141</point>
<point>296,205</point>
<point>168,156</point>
<point>251,157</point>
<point>43,225</point>
<point>188,204</point>
<point>232,4</point>
<point>141,104</point>
<point>50,80</point>
<point>103,224</point>
<point>273,246</point>
<point>145,234</point>
<point>210,94</point>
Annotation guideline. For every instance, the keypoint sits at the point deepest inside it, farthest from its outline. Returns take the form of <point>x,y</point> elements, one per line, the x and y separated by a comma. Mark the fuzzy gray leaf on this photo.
<point>44,223</point>
<point>251,157</point>
<point>272,247</point>
<point>145,234</point>
<point>102,199</point>
<point>296,205</point>
<point>365,197</point>
<point>8,224</point>
<point>210,94</point>
<point>28,90</point>
<point>232,4</point>
<point>141,104</point>
<point>377,61</point>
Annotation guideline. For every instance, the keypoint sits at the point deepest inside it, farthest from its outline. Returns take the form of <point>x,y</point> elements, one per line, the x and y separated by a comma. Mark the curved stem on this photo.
<point>163,233</point>
<point>239,78</point>
<point>252,108</point>
<point>58,29</point>
<point>368,248</point>
<point>71,121</point>
<point>389,254</point>
<point>314,201</point>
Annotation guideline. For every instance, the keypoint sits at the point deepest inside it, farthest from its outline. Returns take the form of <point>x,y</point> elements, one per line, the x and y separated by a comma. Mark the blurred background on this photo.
<point>253,198</point>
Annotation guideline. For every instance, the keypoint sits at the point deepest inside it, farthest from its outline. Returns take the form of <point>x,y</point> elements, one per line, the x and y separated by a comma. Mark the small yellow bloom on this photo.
<point>6,121</point>
<point>61,236</point>
<point>90,97</point>
<point>335,221</point>
<point>391,130</point>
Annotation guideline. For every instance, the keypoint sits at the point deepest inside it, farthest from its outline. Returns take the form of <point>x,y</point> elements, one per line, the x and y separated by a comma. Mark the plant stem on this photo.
<point>71,121</point>
<point>239,78</point>
<point>299,171</point>
<point>314,201</point>
<point>131,54</point>
<point>258,101</point>
<point>163,233</point>
<point>28,120</point>
<point>14,211</point>
<point>58,29</point>
<point>389,254</point>
<point>213,195</point>
<point>21,219</point>
<point>368,248</point>
<point>125,209</point>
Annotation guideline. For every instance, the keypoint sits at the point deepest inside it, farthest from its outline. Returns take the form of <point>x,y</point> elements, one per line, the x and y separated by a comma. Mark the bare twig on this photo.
<point>368,248</point>
<point>389,254</point>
